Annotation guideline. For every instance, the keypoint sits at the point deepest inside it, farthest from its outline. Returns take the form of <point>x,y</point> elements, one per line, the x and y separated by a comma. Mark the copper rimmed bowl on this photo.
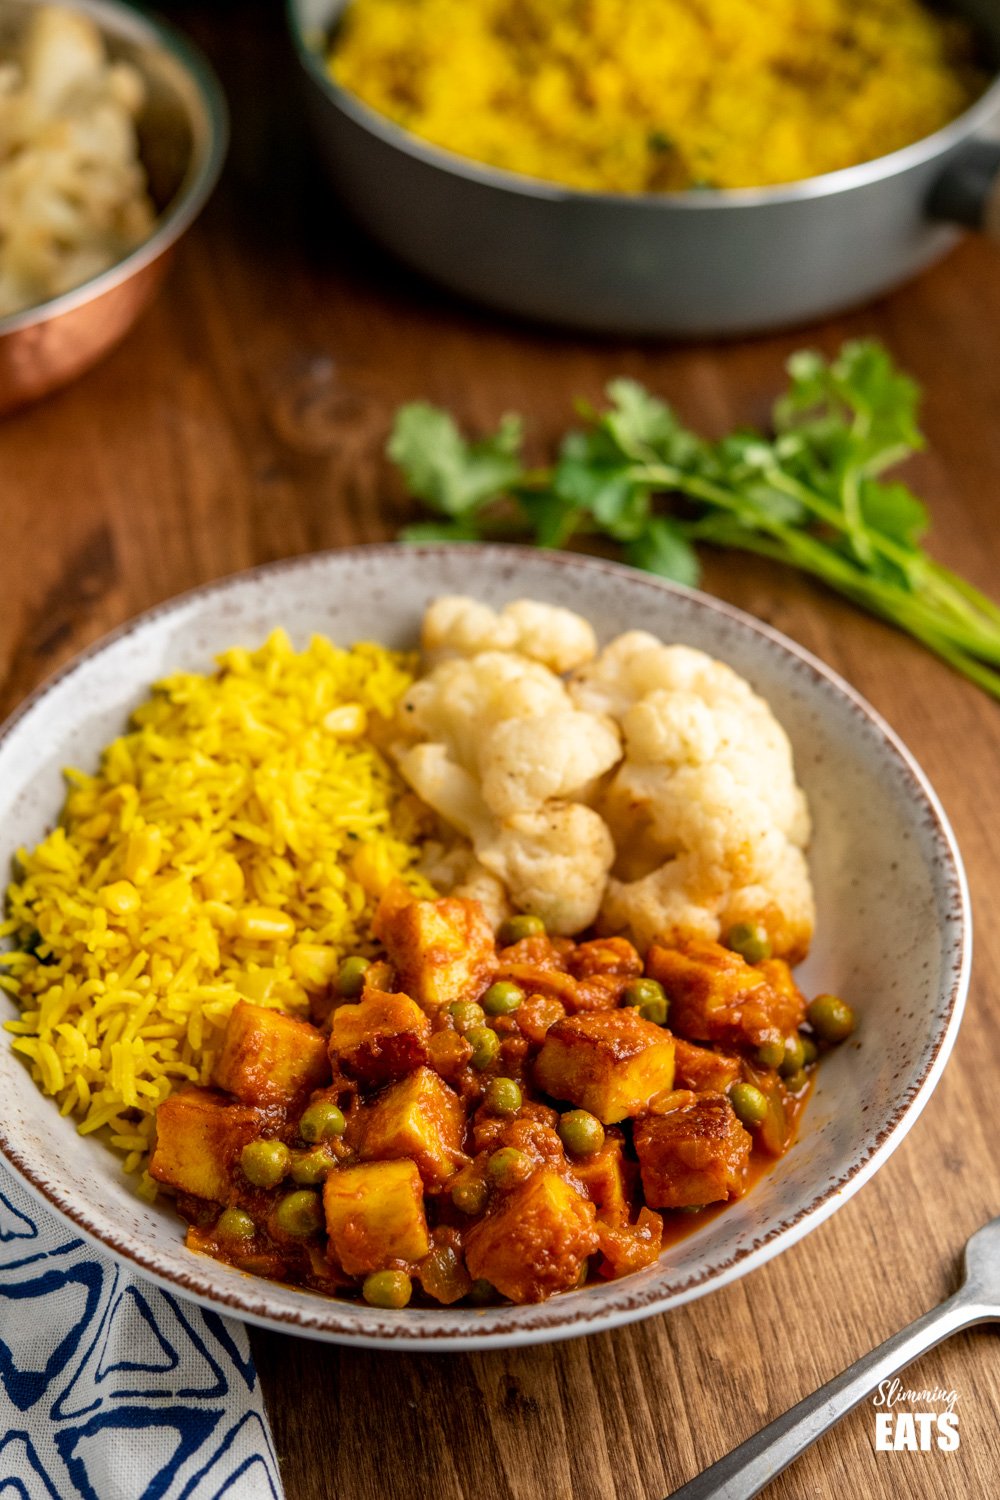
<point>893,928</point>
<point>183,131</point>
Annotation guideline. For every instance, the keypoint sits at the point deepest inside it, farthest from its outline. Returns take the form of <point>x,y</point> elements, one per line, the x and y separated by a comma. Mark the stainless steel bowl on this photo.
<point>183,132</point>
<point>691,263</point>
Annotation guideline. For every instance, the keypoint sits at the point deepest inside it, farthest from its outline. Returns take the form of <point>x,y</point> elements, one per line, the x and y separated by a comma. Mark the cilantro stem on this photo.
<point>860,589</point>
<point>952,592</point>
<point>813,556</point>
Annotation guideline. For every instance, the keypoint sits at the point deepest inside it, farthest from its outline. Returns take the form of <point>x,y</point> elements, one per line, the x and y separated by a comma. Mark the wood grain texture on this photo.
<point>244,420</point>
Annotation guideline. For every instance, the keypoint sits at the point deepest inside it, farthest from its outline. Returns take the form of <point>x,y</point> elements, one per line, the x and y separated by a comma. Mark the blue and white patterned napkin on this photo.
<point>111,1389</point>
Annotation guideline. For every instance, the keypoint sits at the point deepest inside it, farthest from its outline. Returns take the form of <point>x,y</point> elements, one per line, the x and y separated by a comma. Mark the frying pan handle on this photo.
<point>968,190</point>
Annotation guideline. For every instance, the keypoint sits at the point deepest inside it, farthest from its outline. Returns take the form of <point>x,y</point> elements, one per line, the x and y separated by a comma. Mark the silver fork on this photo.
<point>744,1472</point>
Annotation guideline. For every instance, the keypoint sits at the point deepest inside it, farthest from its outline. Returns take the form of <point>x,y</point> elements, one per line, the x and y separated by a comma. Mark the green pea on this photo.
<point>771,1054</point>
<point>485,1046</point>
<point>646,994</point>
<point>831,1018</point>
<point>502,998</point>
<point>387,1289</point>
<point>502,1097</point>
<point>517,928</point>
<point>749,1104</point>
<point>750,941</point>
<point>351,976</point>
<point>299,1214</point>
<point>322,1121</point>
<point>794,1059</point>
<point>796,1082</point>
<point>265,1163</point>
<point>508,1166</point>
<point>469,1195</point>
<point>234,1224</point>
<point>310,1168</point>
<point>481,1292</point>
<point>581,1132</point>
<point>467,1015</point>
<point>810,1051</point>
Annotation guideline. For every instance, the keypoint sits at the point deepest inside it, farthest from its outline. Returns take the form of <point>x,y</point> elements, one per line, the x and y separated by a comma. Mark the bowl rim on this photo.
<point>561,1317</point>
<point>118,19</point>
<point>953,133</point>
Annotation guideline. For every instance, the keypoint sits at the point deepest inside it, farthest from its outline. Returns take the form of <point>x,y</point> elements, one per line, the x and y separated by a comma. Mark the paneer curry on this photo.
<point>468,1118</point>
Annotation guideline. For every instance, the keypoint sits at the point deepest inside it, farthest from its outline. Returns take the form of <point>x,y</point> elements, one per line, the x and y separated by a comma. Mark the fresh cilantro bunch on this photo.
<point>810,494</point>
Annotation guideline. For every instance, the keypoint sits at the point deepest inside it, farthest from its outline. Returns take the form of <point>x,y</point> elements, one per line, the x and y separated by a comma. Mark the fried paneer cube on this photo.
<point>603,1176</point>
<point>536,1241</point>
<point>421,1118</point>
<point>630,1247</point>
<point>442,950</point>
<point>702,1070</point>
<point>694,1155</point>
<point>716,996</point>
<point>380,1039</point>
<point>375,1215</point>
<point>779,976</point>
<point>199,1136</point>
<point>270,1058</point>
<point>609,955</point>
<point>610,1062</point>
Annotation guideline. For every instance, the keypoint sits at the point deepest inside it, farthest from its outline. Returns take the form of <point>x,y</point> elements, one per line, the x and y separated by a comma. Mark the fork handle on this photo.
<point>744,1472</point>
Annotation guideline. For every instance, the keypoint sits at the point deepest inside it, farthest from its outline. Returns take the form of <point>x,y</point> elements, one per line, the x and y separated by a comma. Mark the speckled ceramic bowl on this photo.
<point>893,927</point>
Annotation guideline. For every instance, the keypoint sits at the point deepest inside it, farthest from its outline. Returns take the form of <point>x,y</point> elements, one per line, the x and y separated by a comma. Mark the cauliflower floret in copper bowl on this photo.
<point>73,192</point>
<point>112,134</point>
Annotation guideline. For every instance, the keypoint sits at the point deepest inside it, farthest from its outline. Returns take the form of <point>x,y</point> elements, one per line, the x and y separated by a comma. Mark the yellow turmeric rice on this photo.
<point>616,96</point>
<point>233,843</point>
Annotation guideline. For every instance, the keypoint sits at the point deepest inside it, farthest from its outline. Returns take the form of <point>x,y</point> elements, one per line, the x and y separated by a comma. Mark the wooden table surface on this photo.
<point>244,420</point>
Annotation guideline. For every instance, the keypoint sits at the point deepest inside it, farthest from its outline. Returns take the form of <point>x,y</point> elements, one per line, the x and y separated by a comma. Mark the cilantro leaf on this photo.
<point>450,474</point>
<point>883,400</point>
<point>638,422</point>
<point>895,511</point>
<point>858,402</point>
<point>605,491</point>
<point>552,518</point>
<point>661,548</point>
<point>644,428</point>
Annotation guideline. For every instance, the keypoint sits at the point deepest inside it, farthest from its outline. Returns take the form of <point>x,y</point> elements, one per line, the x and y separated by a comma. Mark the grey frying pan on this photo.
<point>682,264</point>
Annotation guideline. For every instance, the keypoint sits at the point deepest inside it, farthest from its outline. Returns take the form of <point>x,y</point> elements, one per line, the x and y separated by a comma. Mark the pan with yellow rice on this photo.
<point>713,168</point>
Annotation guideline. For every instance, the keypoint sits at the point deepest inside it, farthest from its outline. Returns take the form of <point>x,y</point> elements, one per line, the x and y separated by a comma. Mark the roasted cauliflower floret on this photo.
<point>495,746</point>
<point>529,761</point>
<point>458,626</point>
<point>704,809</point>
<point>554,862</point>
<point>454,867</point>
